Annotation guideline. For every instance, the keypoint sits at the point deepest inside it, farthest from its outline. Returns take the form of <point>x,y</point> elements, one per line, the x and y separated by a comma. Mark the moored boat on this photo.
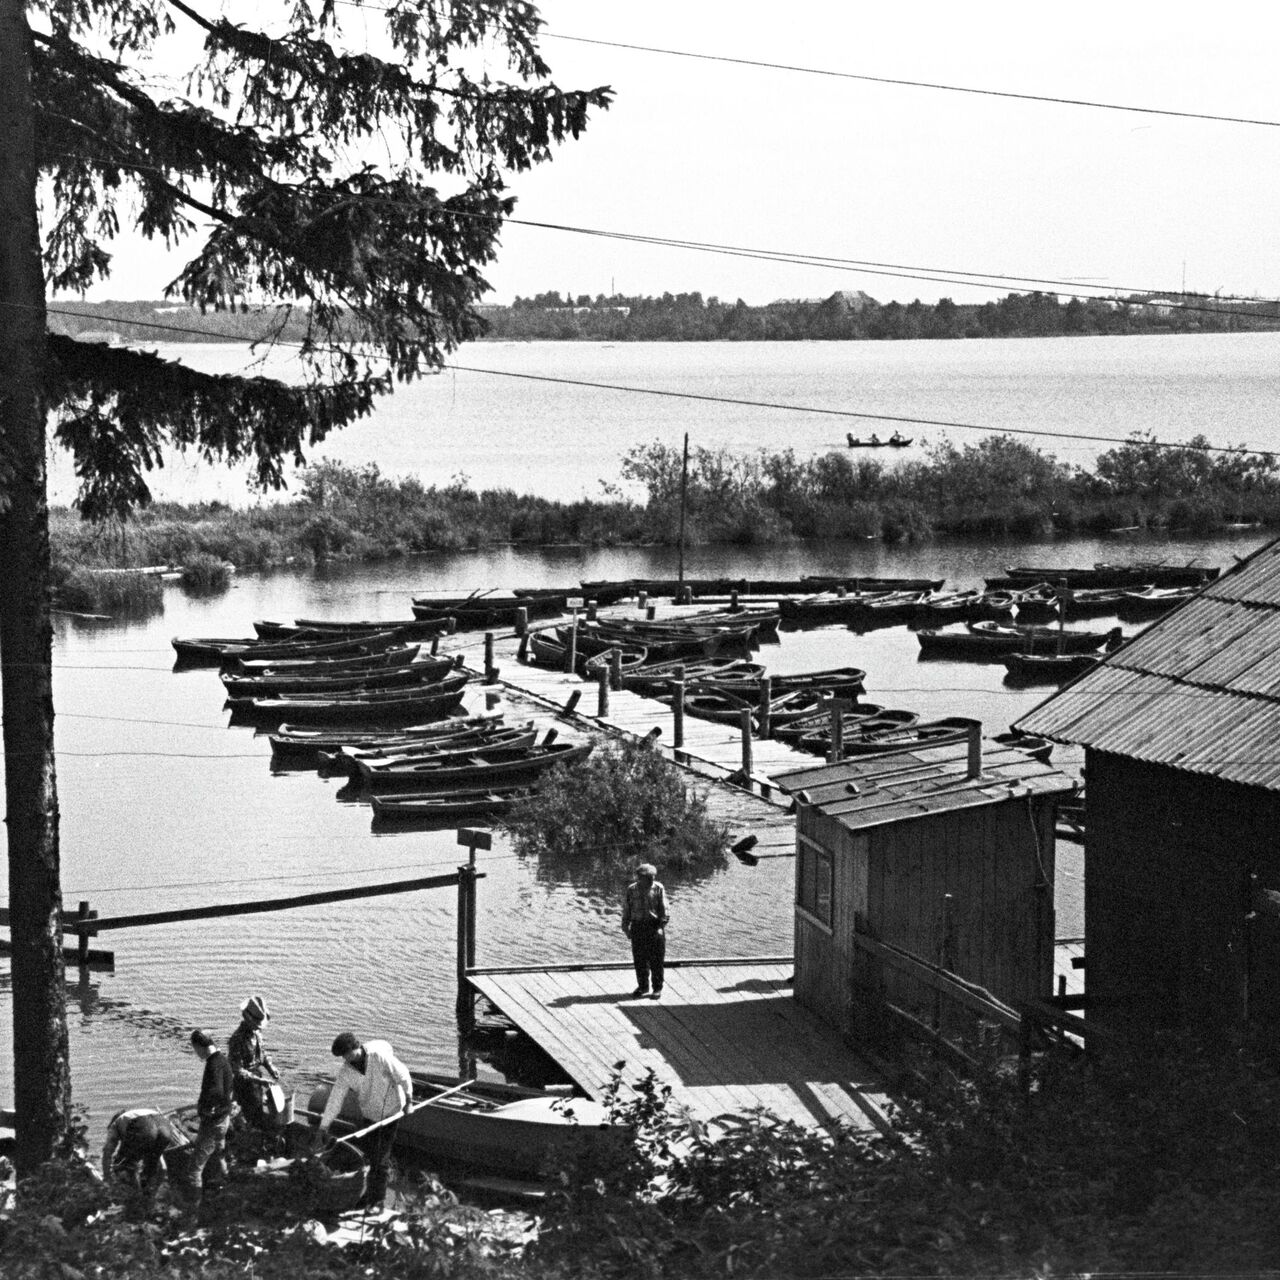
<point>376,706</point>
<point>447,806</point>
<point>406,675</point>
<point>489,1126</point>
<point>474,768</point>
<point>1152,602</point>
<point>1047,668</point>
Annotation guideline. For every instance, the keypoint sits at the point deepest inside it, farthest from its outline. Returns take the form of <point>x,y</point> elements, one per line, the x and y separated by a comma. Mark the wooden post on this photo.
<point>472,840</point>
<point>435,645</point>
<point>686,594</point>
<point>766,706</point>
<point>602,702</point>
<point>651,612</point>
<point>522,653</point>
<point>490,675</point>
<point>1062,606</point>
<point>522,621</point>
<point>615,668</point>
<point>835,748</point>
<point>571,652</point>
<point>642,599</point>
<point>591,610</point>
<point>744,719</point>
<point>733,600</point>
<point>684,498</point>
<point>677,711</point>
<point>82,937</point>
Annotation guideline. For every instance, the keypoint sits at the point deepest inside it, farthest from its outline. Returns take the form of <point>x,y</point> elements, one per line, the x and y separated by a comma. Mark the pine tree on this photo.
<point>360,187</point>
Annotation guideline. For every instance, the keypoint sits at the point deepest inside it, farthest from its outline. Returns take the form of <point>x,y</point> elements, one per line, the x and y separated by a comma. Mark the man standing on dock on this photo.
<point>383,1089</point>
<point>644,921</point>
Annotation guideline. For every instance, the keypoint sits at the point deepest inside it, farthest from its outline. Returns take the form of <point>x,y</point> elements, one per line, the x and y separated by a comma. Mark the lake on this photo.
<point>562,440</point>
<point>164,804</point>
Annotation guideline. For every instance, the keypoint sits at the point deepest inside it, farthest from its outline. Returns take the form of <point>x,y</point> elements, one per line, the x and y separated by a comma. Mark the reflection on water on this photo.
<point>165,805</point>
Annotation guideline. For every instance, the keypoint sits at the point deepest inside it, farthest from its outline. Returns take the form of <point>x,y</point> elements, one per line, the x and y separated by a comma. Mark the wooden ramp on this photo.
<point>727,1036</point>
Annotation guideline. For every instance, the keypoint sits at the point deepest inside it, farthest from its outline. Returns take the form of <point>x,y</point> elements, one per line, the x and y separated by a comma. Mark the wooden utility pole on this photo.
<point>41,1065</point>
<point>684,494</point>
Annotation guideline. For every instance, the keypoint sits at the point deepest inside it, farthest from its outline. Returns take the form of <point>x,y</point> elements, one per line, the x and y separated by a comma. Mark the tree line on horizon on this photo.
<point>689,317</point>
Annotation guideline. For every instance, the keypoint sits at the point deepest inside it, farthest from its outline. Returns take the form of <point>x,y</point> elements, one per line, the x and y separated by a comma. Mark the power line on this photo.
<point>911,84</point>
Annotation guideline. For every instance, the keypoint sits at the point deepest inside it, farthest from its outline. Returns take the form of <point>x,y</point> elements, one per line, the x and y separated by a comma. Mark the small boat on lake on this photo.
<point>1047,668</point>
<point>372,707</point>
<point>1134,576</point>
<point>656,677</point>
<point>1152,602</point>
<point>983,641</point>
<point>348,758</point>
<point>299,744</point>
<point>407,674</point>
<point>476,768</point>
<point>206,651</point>
<point>447,806</point>
<point>324,666</point>
<point>407,628</point>
<point>489,1126</point>
<point>895,441</point>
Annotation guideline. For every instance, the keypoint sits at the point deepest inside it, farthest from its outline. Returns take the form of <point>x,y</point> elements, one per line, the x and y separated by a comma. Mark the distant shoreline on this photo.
<point>842,317</point>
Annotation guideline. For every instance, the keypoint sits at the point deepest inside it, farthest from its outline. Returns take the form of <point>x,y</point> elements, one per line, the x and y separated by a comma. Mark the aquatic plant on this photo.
<point>624,804</point>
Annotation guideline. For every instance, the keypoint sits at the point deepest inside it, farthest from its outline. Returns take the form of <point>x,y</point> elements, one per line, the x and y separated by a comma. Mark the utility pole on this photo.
<point>684,492</point>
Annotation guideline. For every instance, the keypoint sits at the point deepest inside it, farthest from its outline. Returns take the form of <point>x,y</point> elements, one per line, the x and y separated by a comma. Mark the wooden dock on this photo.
<point>727,1037</point>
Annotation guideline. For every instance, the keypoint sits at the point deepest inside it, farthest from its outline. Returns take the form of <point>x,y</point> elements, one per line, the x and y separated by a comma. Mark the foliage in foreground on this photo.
<point>623,804</point>
<point>1162,1162</point>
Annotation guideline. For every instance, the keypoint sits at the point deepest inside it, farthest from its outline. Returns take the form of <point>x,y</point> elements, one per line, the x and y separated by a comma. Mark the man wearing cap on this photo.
<point>249,1062</point>
<point>214,1111</point>
<point>383,1088</point>
<point>644,921</point>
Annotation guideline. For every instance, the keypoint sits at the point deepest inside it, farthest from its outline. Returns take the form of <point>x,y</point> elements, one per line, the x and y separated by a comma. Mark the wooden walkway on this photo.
<point>727,1036</point>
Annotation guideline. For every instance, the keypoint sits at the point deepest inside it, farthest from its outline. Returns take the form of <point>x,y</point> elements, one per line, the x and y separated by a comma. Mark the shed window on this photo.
<point>813,887</point>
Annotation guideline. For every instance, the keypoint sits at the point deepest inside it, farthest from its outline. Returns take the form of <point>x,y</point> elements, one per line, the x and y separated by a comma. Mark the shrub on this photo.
<point>624,803</point>
<point>123,592</point>
<point>205,575</point>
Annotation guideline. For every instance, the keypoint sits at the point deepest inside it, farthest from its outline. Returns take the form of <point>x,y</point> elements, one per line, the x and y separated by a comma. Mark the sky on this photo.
<point>936,181</point>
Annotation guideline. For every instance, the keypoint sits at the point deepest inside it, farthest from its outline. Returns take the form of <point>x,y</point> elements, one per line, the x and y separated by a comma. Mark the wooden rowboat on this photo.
<point>489,1126</point>
<point>299,743</point>
<point>477,768</point>
<point>377,706</point>
<point>446,806</point>
<point>406,675</point>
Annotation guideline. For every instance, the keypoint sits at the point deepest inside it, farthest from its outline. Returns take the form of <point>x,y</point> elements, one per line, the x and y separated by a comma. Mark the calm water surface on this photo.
<point>562,439</point>
<point>164,805</point>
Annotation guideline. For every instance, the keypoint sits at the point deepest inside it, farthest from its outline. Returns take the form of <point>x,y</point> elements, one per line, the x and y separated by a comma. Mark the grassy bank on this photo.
<point>998,486</point>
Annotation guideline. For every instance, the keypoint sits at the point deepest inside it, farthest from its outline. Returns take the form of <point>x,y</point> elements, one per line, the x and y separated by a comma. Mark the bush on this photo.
<point>205,575</point>
<point>623,804</point>
<point>122,592</point>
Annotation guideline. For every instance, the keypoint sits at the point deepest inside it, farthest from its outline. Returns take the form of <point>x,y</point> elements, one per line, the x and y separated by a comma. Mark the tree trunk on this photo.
<point>41,1066</point>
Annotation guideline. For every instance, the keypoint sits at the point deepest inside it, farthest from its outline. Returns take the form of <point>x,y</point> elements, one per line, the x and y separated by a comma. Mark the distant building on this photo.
<point>945,854</point>
<point>1181,730</point>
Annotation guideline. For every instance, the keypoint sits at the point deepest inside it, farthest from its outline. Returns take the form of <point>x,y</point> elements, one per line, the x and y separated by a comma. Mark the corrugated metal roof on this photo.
<point>870,791</point>
<point>1199,690</point>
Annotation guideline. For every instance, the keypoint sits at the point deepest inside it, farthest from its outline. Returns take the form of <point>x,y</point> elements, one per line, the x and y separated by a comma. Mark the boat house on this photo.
<point>1181,730</point>
<point>925,861</point>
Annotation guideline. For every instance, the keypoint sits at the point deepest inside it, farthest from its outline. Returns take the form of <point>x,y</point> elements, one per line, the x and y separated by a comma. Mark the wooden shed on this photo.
<point>1181,730</point>
<point>945,854</point>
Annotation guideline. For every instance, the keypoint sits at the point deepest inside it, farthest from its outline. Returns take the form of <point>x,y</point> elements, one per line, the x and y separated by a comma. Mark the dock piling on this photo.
<point>602,701</point>
<point>677,710</point>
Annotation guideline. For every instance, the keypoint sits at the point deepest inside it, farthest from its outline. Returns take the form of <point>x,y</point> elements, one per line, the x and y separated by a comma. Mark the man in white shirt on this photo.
<point>383,1088</point>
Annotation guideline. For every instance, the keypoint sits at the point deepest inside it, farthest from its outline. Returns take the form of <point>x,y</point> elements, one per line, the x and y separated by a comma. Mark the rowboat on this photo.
<point>818,722</point>
<point>480,611</point>
<point>298,743</point>
<point>1031,744</point>
<point>630,657</point>
<point>895,441</point>
<point>472,769</point>
<point>829,609</point>
<point>488,1126</point>
<point>407,674</point>
<point>446,806</point>
<point>1134,576</point>
<point>1151,602</point>
<point>989,640</point>
<point>1090,602</point>
<point>1038,603</point>
<point>209,651</point>
<point>377,706</point>
<point>887,720</point>
<point>324,666</point>
<point>408,628</point>
<point>933,733</point>
<point>1047,668</point>
<point>348,759</point>
<point>654,677</point>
